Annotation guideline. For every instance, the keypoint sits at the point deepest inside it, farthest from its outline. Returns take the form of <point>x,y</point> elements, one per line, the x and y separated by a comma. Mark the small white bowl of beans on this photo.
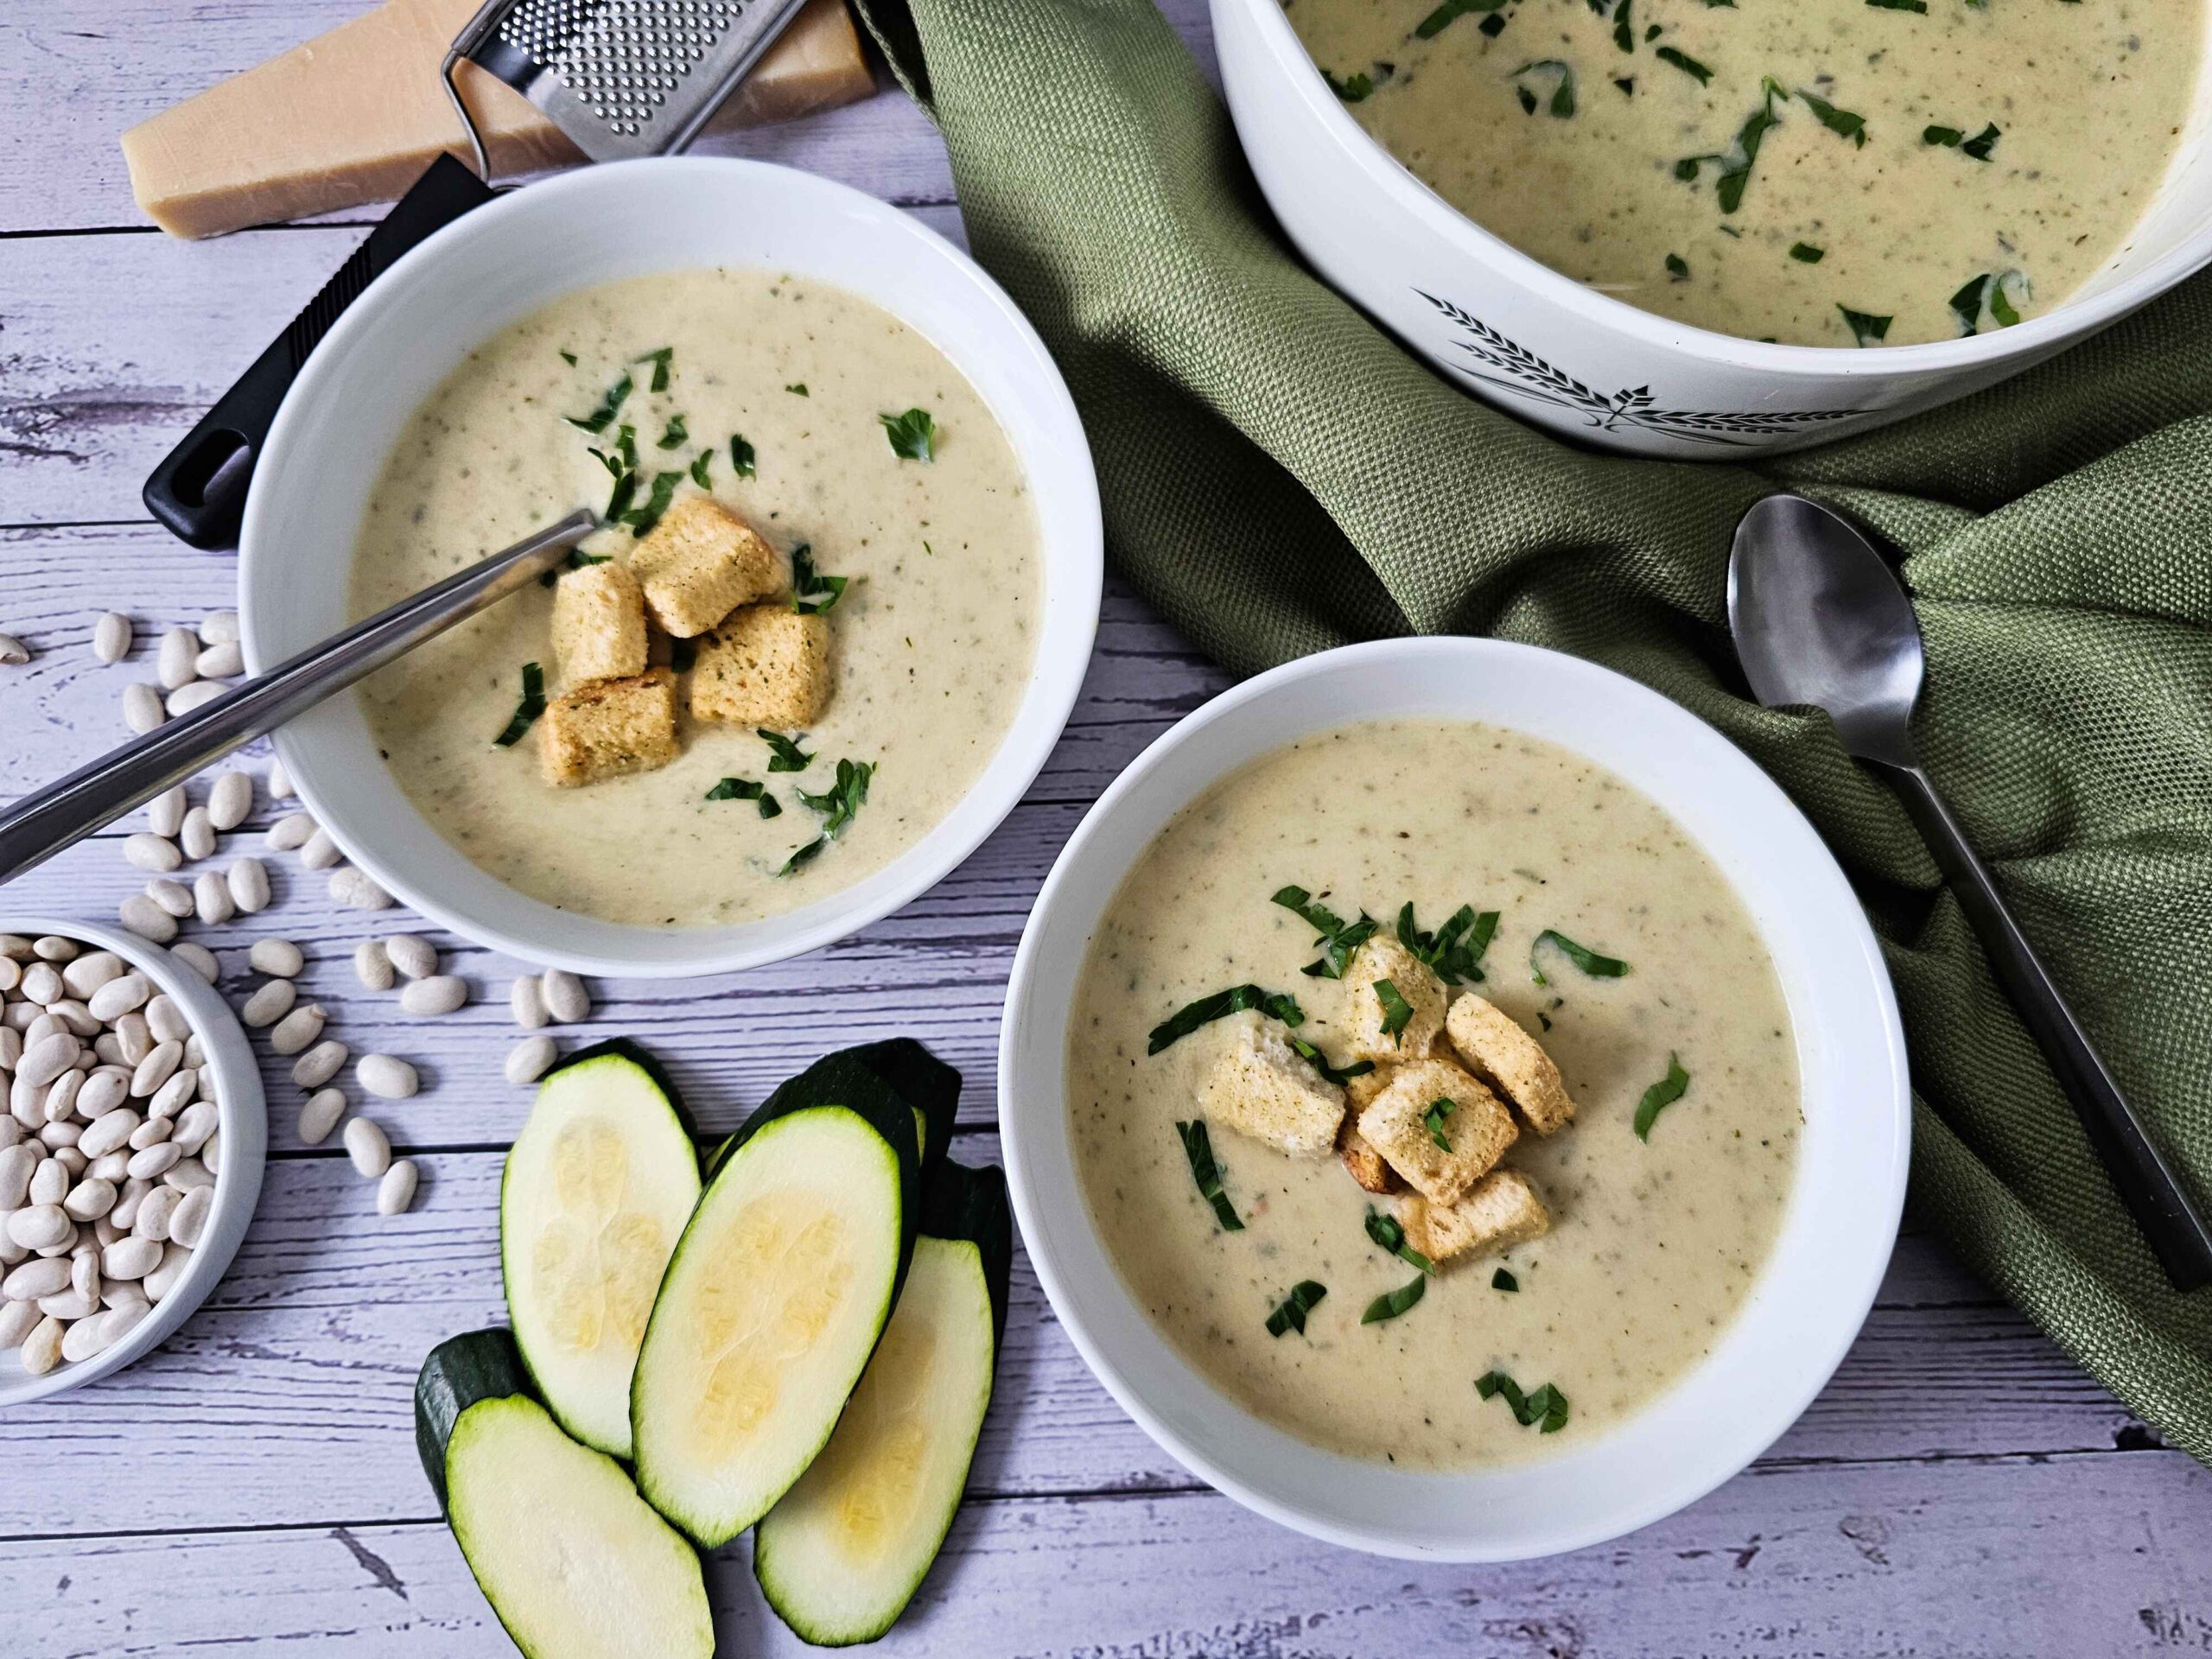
<point>130,1149</point>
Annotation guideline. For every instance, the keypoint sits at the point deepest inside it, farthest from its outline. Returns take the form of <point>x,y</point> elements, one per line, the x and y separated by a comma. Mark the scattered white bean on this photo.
<point>172,660</point>
<point>14,653</point>
<point>219,627</point>
<point>185,698</point>
<point>230,800</point>
<point>174,898</point>
<point>119,996</point>
<point>165,812</point>
<point>199,958</point>
<point>197,838</point>
<point>386,1076</point>
<point>320,1064</point>
<point>146,918</point>
<point>440,993</point>
<point>269,1004</point>
<point>527,999</point>
<point>290,833</point>
<point>319,1115</point>
<point>366,1144</point>
<point>566,999</point>
<point>320,852</point>
<point>396,1191</point>
<point>529,1059</point>
<point>223,662</point>
<point>371,966</point>
<point>189,1221</point>
<point>151,852</point>
<point>143,711</point>
<point>280,957</point>
<point>297,1029</point>
<point>211,898</point>
<point>280,782</point>
<point>111,636</point>
<point>412,954</point>
<point>357,889</point>
<point>248,879</point>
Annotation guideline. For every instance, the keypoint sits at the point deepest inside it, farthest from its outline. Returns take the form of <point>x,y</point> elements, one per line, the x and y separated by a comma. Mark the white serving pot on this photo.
<point>1554,352</point>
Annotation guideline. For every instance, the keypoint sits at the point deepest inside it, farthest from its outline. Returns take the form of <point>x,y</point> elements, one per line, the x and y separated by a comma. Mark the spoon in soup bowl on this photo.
<point>1819,619</point>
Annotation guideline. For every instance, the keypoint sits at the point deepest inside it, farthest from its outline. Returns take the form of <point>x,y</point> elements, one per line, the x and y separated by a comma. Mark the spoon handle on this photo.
<point>41,824</point>
<point>2149,1185</point>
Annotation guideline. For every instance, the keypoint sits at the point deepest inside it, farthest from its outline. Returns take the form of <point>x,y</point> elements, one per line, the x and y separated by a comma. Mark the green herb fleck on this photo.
<point>785,755</point>
<point>1236,1000</point>
<point>1627,84</point>
<point>1455,950</point>
<point>1546,1406</point>
<point>1866,329</point>
<point>804,856</point>
<point>1391,1304</point>
<point>741,456</point>
<point>1396,1011</point>
<point>1433,1119</point>
<point>570,357</point>
<point>1338,938</point>
<point>1623,30</point>
<point>674,433</point>
<point>1689,65</point>
<point>2000,307</point>
<point>660,360</point>
<point>700,463</point>
<point>1390,1234</point>
<point>1660,1096</point>
<point>1449,13</point>
<point>1736,167</point>
<point>526,711</point>
<point>812,593</point>
<point>642,519</point>
<point>1290,1314</point>
<point>1581,956</point>
<point>1561,104</point>
<point>1842,121</point>
<point>797,389</point>
<point>1678,269</point>
<point>1898,5</point>
<point>842,798</point>
<point>1198,1147</point>
<point>745,789</point>
<point>913,434</point>
<point>1948,137</point>
<point>1805,254</point>
<point>609,406</point>
<point>1982,144</point>
<point>1504,1280</point>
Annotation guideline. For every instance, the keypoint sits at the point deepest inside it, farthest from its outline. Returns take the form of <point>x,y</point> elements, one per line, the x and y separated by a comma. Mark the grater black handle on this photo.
<point>199,490</point>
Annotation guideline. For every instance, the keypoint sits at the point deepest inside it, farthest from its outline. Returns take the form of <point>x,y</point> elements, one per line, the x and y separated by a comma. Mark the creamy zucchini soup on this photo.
<point>1433,1093</point>
<point>801,631</point>
<point>1821,172</point>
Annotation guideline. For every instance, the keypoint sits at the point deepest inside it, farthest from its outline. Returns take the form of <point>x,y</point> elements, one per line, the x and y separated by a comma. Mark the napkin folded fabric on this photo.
<point>1280,477</point>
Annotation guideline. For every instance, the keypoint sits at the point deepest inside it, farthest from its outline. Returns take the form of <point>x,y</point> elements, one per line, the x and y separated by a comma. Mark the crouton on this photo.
<point>699,563</point>
<point>768,665</point>
<point>1361,1160</point>
<point>599,623</point>
<point>1264,1088</point>
<point>609,727</point>
<point>1495,1049</point>
<point>1384,957</point>
<point>1475,1127</point>
<point>1500,1210</point>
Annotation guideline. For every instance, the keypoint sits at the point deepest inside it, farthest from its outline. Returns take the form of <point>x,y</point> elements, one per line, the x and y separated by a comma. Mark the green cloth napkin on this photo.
<point>1280,477</point>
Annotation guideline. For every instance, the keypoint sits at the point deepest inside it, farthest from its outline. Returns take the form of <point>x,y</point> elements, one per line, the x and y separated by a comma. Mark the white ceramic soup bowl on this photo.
<point>499,263</point>
<point>1838,1224</point>
<point>1548,349</point>
<point>241,1119</point>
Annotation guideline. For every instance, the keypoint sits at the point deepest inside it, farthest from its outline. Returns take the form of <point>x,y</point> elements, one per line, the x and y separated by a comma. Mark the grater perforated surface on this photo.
<point>621,59</point>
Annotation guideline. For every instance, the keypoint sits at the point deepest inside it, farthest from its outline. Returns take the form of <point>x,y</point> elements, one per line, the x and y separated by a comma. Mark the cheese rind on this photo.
<point>355,115</point>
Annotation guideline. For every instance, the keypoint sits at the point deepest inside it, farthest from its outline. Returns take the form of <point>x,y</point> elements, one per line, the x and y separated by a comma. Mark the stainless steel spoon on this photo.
<point>41,825</point>
<point>1819,618</point>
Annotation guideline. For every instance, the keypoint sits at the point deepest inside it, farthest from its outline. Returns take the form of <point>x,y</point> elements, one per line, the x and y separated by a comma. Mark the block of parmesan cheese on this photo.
<point>356,114</point>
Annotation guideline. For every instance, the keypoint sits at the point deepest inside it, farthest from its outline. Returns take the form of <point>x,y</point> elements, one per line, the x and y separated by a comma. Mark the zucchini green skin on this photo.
<point>456,1374</point>
<point>900,1069</point>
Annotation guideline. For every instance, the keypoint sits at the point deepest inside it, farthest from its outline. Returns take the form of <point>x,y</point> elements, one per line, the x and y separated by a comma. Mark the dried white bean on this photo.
<point>142,708</point>
<point>46,1059</point>
<point>153,1220</point>
<point>230,800</point>
<point>320,852</point>
<point>11,1048</point>
<point>90,1198</point>
<point>11,974</point>
<point>197,836</point>
<point>41,1350</point>
<point>135,1188</point>
<point>113,1168</point>
<point>194,1124</point>
<point>16,948</point>
<point>529,1059</point>
<point>366,1144</point>
<point>210,898</point>
<point>185,698</point>
<point>371,966</point>
<point>111,636</point>
<point>41,1227</point>
<point>43,1026</point>
<point>75,1015</point>
<point>70,1159</point>
<point>412,954</point>
<point>53,947</point>
<point>189,1219</point>
<point>440,993</point>
<point>18,1164</point>
<point>88,974</point>
<point>159,1065</point>
<point>57,1137</point>
<point>119,996</point>
<point>85,1269</point>
<point>219,627</point>
<point>357,889</point>
<point>109,1133</point>
<point>17,1320</point>
<point>165,812</point>
<point>134,1037</point>
<point>166,1020</point>
<point>47,1276</point>
<point>222,662</point>
<point>49,1182</point>
<point>171,896</point>
<point>396,1191</point>
<point>146,918</point>
<point>14,653</point>
<point>386,1076</point>
<point>269,1004</point>
<point>527,999</point>
<point>280,957</point>
<point>43,984</point>
<point>211,1155</point>
<point>250,885</point>
<point>151,1132</point>
<point>155,1160</point>
<point>320,1064</point>
<point>297,1029</point>
<point>133,1257</point>
<point>188,1172</point>
<point>319,1115</point>
<point>280,782</point>
<point>290,833</point>
<point>69,1305</point>
<point>60,1103</point>
<point>566,999</point>
<point>150,852</point>
<point>174,1260</point>
<point>199,958</point>
<point>173,659</point>
<point>176,1095</point>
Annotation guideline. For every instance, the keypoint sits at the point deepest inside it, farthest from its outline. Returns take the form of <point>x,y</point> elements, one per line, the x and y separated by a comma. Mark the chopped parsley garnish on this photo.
<point>1623,30</point>
<point>1493,25</point>
<point>745,789</point>
<point>802,856</point>
<point>913,434</point>
<point>812,593</point>
<point>1627,84</point>
<point>1981,146</point>
<point>741,456</point>
<point>660,360</point>
<point>1396,1011</point>
<point>797,389</point>
<point>700,463</point>
<point>1388,1232</point>
<point>1290,1312</point>
<point>642,519</point>
<point>1736,166</point>
<point>674,434</point>
<point>570,357</point>
<point>1581,956</point>
<point>1207,1009</point>
<point>526,711</point>
<point>786,755</point>
<point>1338,938</point>
<point>1504,1280</point>
<point>1805,254</point>
<point>1843,122</point>
<point>1689,65</point>
<point>1660,1096</point>
<point>1449,13</point>
<point>1335,1074</point>
<point>1898,5</point>
<point>2000,307</point>
<point>1866,329</point>
<point>618,498</point>
<point>1948,137</point>
<point>1198,1147</point>
<point>609,406</point>
<point>1433,1119</point>
<point>1561,104</point>
<point>1392,1303</point>
<point>1678,269</point>
<point>841,799</point>
<point>1547,1406</point>
<point>1455,949</point>
<point>1354,89</point>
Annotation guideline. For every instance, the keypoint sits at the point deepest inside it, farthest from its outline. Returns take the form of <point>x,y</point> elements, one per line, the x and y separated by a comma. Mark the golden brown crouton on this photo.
<point>1367,1027</point>
<point>599,623</point>
<point>699,563</point>
<point>1475,1127</point>
<point>1264,1088</point>
<point>1500,1210</point>
<point>609,727</point>
<point>1496,1049</point>
<point>768,665</point>
<point>1362,1161</point>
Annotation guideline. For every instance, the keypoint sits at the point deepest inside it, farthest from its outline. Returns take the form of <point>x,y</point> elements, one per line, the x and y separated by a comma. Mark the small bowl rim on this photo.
<point>1074,565</point>
<point>2065,323</point>
<point>242,1118</point>
<point>1019,1081</point>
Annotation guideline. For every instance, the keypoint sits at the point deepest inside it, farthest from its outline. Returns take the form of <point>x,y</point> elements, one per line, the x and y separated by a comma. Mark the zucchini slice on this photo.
<point>597,1189</point>
<point>899,1069</point>
<point>574,1563</point>
<point>843,1551</point>
<point>776,1296</point>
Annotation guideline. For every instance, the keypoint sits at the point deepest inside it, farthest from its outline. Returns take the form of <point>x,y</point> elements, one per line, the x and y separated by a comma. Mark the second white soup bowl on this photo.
<point>1838,1227</point>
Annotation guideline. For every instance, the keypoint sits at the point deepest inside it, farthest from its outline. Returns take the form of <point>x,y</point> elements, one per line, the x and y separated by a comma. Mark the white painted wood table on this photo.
<point>1960,1488</point>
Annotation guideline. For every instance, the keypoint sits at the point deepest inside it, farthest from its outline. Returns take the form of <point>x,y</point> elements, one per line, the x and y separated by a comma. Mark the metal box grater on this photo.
<point>620,78</point>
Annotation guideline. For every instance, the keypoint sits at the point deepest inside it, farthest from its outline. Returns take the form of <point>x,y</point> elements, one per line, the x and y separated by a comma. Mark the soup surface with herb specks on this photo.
<point>1654,1241</point>
<point>1818,172</point>
<point>770,392</point>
